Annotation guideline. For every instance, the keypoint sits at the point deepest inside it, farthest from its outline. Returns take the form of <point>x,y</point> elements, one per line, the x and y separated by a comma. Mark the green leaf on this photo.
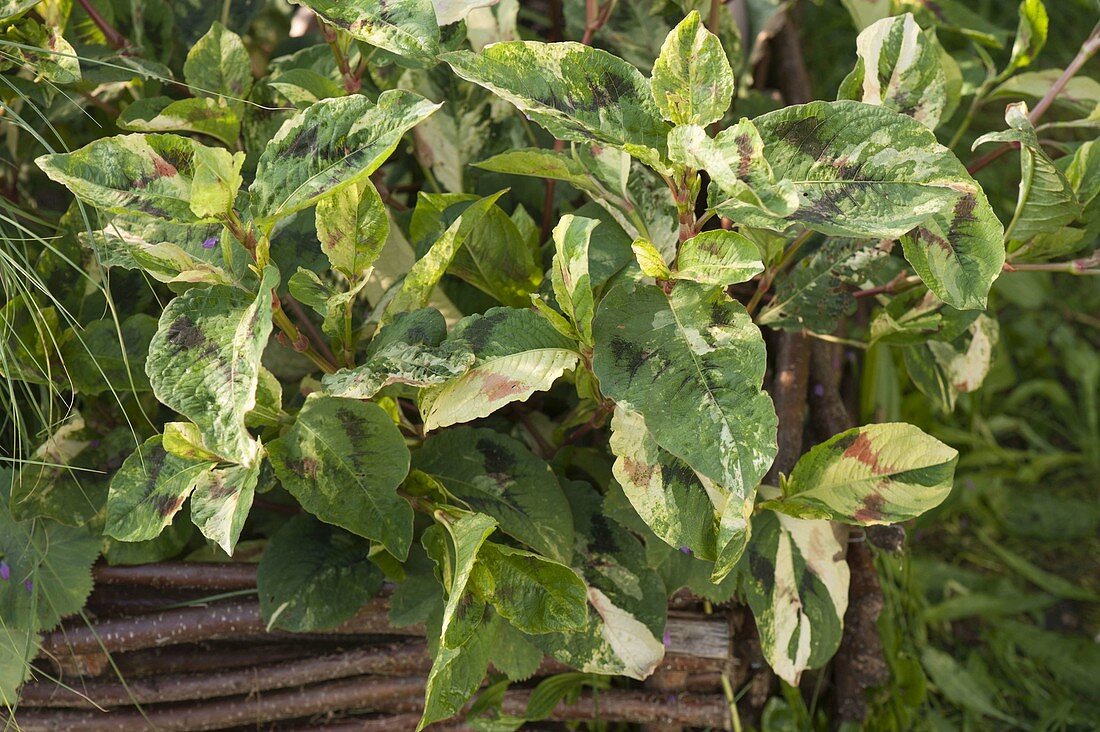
<point>219,65</point>
<point>410,350</point>
<point>1031,35</point>
<point>94,358</point>
<point>718,257</point>
<point>796,582</point>
<point>650,261</point>
<point>49,569</point>
<point>463,612</point>
<point>130,174</point>
<point>960,686</point>
<point>204,360</point>
<point>817,292</point>
<point>455,675</point>
<point>170,252</point>
<point>1046,200</point>
<point>569,273</point>
<point>576,92</point>
<point>693,83</point>
<point>426,273</point>
<point>743,186</point>
<point>535,594</point>
<point>222,499</point>
<point>866,171</point>
<point>148,490</point>
<point>406,28</point>
<point>499,476</point>
<point>900,67</point>
<point>698,350</point>
<point>667,494</point>
<point>352,226</point>
<point>517,353</point>
<point>183,439</point>
<point>944,369</point>
<point>216,182</point>
<point>343,460</point>
<point>197,114</point>
<point>313,576</point>
<point>329,145</point>
<point>495,257</point>
<point>876,474</point>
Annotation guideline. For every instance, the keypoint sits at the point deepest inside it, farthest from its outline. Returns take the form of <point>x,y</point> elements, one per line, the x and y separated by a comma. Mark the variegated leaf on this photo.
<point>499,476</point>
<point>130,174</point>
<point>410,350</point>
<point>517,354</point>
<point>343,460</point>
<point>718,257</point>
<point>576,92</point>
<point>869,172</point>
<point>687,511</point>
<point>876,474</point>
<point>572,284</point>
<point>407,28</point>
<point>535,594</point>
<point>329,145</point>
<point>204,115</point>
<point>423,276</point>
<point>697,349</point>
<point>818,290</point>
<point>796,582</point>
<point>1046,201</point>
<point>352,226</point>
<point>944,369</point>
<point>222,499</point>
<point>218,65</point>
<point>148,489</point>
<point>463,612</point>
<point>743,185</point>
<point>900,67</point>
<point>692,82</point>
<point>204,361</point>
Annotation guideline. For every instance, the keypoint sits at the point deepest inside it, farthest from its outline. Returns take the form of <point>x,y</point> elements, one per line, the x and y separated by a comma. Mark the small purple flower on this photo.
<point>819,390</point>
<point>686,550</point>
<point>210,243</point>
<point>5,571</point>
<point>667,639</point>
<point>29,585</point>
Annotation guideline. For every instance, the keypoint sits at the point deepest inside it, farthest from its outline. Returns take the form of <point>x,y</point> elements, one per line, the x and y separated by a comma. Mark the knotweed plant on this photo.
<point>535,409</point>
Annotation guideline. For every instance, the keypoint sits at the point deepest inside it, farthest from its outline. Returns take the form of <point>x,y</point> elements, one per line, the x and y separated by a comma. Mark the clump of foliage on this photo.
<point>536,409</point>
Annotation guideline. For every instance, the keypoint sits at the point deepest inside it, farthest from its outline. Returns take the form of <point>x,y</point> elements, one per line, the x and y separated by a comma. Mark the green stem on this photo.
<point>769,276</point>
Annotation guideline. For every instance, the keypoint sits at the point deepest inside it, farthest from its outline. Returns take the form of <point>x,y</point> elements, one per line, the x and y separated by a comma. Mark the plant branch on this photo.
<point>351,79</point>
<point>1088,49</point>
<point>115,39</point>
<point>216,576</point>
<point>792,375</point>
<point>301,318</point>
<point>1089,265</point>
<point>785,261</point>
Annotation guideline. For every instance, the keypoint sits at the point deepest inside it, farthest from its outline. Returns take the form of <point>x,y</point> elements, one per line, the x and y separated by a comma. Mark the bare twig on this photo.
<point>792,374</point>
<point>214,576</point>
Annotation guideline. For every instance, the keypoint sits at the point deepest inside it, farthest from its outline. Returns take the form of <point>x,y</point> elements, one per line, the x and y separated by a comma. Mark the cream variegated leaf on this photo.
<point>148,489</point>
<point>718,257</point>
<point>1046,201</point>
<point>900,67</point>
<point>569,273</point>
<point>868,172</point>
<point>796,582</point>
<point>517,353</point>
<point>944,369</point>
<point>352,227</point>
<point>343,460</point>
<point>876,474</point>
<point>407,28</point>
<point>149,175</point>
<point>576,92</point>
<point>204,115</point>
<point>410,350</point>
<point>698,349</point>
<point>222,499</point>
<point>204,360</point>
<point>329,145</point>
<point>692,81</point>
